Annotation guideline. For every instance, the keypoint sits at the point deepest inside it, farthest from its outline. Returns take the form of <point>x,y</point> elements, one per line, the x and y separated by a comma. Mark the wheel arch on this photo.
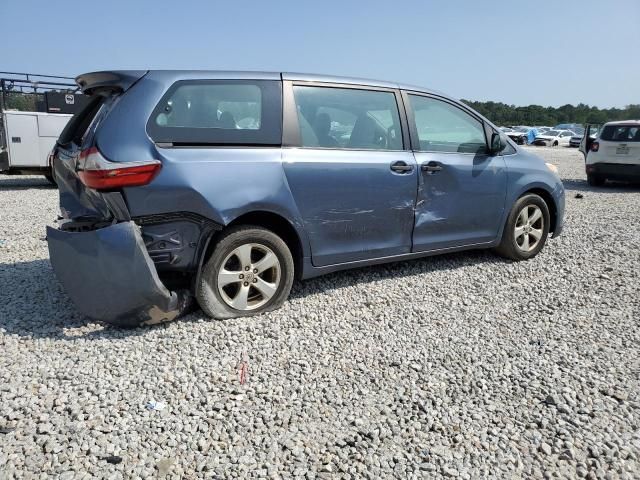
<point>549,200</point>
<point>272,221</point>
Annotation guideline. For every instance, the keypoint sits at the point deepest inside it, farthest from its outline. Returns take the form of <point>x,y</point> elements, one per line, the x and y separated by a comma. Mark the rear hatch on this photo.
<point>75,150</point>
<point>620,143</point>
<point>97,252</point>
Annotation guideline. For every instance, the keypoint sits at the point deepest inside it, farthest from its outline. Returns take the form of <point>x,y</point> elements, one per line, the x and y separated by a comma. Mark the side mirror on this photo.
<point>496,145</point>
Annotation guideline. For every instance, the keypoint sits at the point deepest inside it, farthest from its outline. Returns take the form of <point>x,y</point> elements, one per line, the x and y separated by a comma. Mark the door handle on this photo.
<point>401,167</point>
<point>431,167</point>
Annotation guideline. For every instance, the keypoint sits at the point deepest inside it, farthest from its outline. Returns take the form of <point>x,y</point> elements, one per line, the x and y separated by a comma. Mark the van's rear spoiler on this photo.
<point>120,80</point>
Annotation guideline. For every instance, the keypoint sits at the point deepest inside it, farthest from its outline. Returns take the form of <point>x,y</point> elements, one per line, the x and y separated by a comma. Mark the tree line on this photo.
<point>26,102</point>
<point>509,115</point>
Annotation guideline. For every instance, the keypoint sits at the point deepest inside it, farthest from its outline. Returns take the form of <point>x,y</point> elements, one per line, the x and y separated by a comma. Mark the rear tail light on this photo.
<point>595,146</point>
<point>98,173</point>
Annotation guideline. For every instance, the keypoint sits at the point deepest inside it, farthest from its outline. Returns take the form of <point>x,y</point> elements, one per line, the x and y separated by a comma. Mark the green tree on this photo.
<point>20,101</point>
<point>503,114</point>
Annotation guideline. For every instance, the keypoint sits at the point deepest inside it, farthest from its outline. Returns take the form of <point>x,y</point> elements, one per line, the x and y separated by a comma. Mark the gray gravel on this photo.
<point>464,365</point>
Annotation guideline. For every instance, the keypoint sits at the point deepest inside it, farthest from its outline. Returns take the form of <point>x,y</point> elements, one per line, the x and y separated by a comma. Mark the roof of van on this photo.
<point>125,78</point>
<point>310,77</point>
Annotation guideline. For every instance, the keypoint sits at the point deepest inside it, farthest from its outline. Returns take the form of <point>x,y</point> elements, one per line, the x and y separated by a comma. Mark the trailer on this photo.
<point>34,109</point>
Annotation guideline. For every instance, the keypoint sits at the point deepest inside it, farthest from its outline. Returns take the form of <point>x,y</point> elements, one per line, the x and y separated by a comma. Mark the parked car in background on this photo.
<point>523,135</point>
<point>553,138</point>
<point>228,186</point>
<point>613,152</point>
<point>505,129</point>
<point>574,127</point>
<point>575,140</point>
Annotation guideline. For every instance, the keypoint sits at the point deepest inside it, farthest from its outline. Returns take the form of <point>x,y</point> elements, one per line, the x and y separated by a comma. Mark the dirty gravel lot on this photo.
<point>463,365</point>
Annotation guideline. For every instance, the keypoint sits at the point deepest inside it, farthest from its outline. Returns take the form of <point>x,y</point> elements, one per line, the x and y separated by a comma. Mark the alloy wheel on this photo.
<point>529,228</point>
<point>249,276</point>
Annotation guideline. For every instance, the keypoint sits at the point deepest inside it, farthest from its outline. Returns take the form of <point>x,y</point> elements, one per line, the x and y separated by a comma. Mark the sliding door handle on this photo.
<point>401,167</point>
<point>431,167</point>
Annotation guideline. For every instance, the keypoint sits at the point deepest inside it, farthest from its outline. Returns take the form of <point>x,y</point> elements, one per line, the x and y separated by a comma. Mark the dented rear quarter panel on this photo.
<point>219,183</point>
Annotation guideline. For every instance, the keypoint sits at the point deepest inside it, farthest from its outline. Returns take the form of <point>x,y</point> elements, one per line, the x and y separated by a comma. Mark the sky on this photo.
<point>545,52</point>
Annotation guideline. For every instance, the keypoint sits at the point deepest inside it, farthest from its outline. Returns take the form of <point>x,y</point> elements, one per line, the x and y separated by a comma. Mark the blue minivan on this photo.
<point>227,186</point>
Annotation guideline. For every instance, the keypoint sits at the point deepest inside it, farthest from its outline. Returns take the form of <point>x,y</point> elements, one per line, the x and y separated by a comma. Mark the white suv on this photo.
<point>614,153</point>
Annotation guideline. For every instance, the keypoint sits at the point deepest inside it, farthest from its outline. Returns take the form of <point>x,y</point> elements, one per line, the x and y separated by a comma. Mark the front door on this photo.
<point>353,182</point>
<point>462,188</point>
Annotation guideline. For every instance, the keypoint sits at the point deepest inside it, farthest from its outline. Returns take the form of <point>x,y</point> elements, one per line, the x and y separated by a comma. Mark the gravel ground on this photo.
<point>463,365</point>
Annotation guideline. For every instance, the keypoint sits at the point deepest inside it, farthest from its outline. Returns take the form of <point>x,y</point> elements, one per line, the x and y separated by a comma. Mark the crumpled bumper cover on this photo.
<point>109,276</point>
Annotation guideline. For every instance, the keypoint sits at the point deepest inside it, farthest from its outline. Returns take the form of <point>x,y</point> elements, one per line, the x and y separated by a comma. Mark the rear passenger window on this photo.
<point>348,118</point>
<point>621,133</point>
<point>219,112</point>
<point>443,127</point>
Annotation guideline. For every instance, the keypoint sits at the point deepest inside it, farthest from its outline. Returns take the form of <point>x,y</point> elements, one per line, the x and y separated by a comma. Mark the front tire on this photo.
<point>526,230</point>
<point>250,272</point>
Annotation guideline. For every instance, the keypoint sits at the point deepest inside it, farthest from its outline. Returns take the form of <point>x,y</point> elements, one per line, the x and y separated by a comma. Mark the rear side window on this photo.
<point>349,118</point>
<point>219,112</point>
<point>621,133</point>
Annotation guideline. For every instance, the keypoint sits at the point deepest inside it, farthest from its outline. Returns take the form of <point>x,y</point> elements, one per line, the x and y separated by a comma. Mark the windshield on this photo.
<point>521,129</point>
<point>553,133</point>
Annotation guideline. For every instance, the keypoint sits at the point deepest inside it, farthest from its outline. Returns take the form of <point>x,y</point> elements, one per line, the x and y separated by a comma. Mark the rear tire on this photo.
<point>526,230</point>
<point>595,180</point>
<point>555,144</point>
<point>250,272</point>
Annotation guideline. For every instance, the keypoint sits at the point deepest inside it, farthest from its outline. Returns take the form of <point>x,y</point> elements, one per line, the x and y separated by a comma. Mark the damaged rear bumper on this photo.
<point>110,277</point>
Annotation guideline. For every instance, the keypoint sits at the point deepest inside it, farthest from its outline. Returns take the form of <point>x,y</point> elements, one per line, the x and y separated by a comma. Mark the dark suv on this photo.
<point>226,186</point>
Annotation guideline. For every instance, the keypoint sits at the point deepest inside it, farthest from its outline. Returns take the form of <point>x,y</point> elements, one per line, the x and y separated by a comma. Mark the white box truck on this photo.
<point>34,109</point>
<point>28,140</point>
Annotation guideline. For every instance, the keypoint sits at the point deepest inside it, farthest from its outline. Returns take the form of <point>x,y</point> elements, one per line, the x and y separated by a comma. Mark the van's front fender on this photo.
<point>527,172</point>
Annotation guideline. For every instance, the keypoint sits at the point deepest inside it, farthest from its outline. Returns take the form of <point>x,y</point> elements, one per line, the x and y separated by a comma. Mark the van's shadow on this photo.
<point>35,305</point>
